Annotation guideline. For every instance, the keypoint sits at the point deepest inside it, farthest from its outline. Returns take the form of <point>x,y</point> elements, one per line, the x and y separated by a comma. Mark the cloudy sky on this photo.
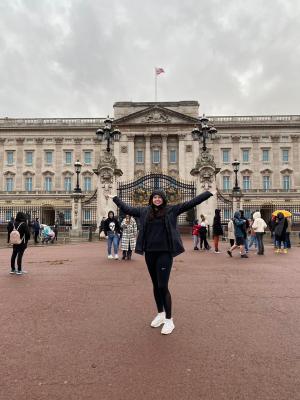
<point>75,58</point>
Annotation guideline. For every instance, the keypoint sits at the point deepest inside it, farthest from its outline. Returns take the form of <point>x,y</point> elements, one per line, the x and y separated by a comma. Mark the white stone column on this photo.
<point>181,150</point>
<point>207,208</point>
<point>164,154</point>
<point>19,164</point>
<point>130,158</point>
<point>276,163</point>
<point>76,214</point>
<point>147,154</point>
<point>39,163</point>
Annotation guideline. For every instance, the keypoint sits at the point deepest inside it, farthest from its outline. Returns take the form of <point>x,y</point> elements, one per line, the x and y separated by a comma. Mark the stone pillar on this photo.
<point>130,158</point>
<point>164,154</point>
<point>39,163</point>
<point>19,164</point>
<point>205,171</point>
<point>181,151</point>
<point>147,154</point>
<point>2,163</point>
<point>237,203</point>
<point>295,151</point>
<point>59,162</point>
<point>107,173</point>
<point>276,162</point>
<point>76,214</point>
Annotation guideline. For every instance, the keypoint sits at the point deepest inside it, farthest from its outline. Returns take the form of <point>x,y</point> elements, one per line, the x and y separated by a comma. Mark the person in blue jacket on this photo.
<point>239,233</point>
<point>160,241</point>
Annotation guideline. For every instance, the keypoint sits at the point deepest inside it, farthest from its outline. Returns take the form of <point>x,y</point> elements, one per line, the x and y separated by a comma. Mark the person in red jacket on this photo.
<point>195,233</point>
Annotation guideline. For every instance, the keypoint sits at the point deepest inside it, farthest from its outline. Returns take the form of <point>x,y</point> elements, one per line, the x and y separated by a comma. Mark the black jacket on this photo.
<point>172,213</point>
<point>217,226</point>
<point>107,227</point>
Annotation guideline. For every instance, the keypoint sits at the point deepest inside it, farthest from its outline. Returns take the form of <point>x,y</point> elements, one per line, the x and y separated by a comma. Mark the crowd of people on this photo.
<point>244,233</point>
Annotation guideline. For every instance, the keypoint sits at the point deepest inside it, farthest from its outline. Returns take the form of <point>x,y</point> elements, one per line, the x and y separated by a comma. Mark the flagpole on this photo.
<point>155,81</point>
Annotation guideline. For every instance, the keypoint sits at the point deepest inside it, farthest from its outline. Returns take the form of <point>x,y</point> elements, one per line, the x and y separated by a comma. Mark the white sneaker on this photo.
<point>158,320</point>
<point>168,327</point>
<point>110,256</point>
<point>116,257</point>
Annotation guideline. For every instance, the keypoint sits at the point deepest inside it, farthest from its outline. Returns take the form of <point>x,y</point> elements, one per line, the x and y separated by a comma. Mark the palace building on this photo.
<point>37,159</point>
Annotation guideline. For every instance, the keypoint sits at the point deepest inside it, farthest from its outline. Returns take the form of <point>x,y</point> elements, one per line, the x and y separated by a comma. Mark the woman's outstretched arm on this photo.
<point>126,208</point>
<point>182,207</point>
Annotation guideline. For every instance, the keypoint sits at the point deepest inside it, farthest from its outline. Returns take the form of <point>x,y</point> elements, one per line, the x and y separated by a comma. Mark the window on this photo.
<point>266,182</point>
<point>29,157</point>
<point>245,155</point>
<point>265,155</point>
<point>28,184</point>
<point>68,157</point>
<point>286,182</point>
<point>8,215</point>
<point>225,156</point>
<point>87,215</point>
<point>140,156</point>
<point>87,183</point>
<point>67,215</point>
<point>48,183</point>
<point>246,182</point>
<point>226,182</point>
<point>68,184</point>
<point>10,157</point>
<point>9,184</point>
<point>156,156</point>
<point>173,156</point>
<point>87,157</point>
<point>285,155</point>
<point>48,157</point>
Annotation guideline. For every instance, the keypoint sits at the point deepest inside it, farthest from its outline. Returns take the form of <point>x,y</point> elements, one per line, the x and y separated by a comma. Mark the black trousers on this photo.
<point>159,265</point>
<point>36,235</point>
<point>18,251</point>
<point>203,240</point>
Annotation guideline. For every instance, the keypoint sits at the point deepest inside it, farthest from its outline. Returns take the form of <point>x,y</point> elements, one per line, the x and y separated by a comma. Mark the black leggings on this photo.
<point>18,250</point>
<point>159,266</point>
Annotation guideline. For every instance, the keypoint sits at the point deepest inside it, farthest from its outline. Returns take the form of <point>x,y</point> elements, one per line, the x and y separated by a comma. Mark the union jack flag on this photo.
<point>159,70</point>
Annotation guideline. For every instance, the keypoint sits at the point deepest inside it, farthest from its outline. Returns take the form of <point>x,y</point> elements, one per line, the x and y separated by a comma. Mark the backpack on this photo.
<point>14,236</point>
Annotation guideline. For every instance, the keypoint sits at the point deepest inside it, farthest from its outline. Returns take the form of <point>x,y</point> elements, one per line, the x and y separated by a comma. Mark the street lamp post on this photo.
<point>77,166</point>
<point>236,165</point>
<point>108,133</point>
<point>204,132</point>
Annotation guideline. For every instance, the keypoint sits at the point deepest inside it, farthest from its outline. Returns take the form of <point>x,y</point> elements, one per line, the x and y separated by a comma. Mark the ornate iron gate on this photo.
<point>137,193</point>
<point>89,210</point>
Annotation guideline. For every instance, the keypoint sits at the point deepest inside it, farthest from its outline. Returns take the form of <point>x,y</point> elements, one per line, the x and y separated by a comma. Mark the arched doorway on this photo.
<point>48,215</point>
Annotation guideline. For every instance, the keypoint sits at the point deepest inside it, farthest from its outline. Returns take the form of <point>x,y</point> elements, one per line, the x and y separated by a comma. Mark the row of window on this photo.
<point>87,215</point>
<point>48,184</point>
<point>48,157</point>
<point>156,156</point>
<point>265,155</point>
<point>266,182</point>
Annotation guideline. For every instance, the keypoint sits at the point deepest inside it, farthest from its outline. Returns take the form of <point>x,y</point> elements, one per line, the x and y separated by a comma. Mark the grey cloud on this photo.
<point>76,58</point>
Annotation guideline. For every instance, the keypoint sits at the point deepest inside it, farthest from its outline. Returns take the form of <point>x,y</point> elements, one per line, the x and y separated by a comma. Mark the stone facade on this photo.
<point>37,155</point>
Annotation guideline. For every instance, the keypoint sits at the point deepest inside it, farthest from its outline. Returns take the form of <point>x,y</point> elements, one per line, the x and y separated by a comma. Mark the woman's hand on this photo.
<point>213,192</point>
<point>111,196</point>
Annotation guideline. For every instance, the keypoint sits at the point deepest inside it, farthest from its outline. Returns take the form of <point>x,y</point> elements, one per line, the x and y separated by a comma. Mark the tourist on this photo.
<point>195,234</point>
<point>101,229</point>
<point>128,240</point>
<point>112,231</point>
<point>203,233</point>
<point>231,236</point>
<point>245,228</point>
<point>281,225</point>
<point>47,234</point>
<point>36,230</point>
<point>217,229</point>
<point>288,233</point>
<point>259,226</point>
<point>253,239</point>
<point>160,240</point>
<point>21,226</point>
<point>239,232</point>
<point>55,229</point>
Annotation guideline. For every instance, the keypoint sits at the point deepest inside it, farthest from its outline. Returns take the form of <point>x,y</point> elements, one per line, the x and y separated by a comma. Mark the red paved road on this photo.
<point>77,327</point>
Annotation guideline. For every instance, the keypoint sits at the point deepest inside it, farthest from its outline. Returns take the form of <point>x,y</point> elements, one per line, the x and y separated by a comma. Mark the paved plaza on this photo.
<point>76,327</point>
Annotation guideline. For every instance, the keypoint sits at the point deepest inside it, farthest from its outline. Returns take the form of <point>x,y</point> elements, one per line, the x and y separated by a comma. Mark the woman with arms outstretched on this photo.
<point>160,240</point>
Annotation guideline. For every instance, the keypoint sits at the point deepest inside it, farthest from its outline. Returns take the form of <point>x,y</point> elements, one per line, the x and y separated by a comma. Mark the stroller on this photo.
<point>47,234</point>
